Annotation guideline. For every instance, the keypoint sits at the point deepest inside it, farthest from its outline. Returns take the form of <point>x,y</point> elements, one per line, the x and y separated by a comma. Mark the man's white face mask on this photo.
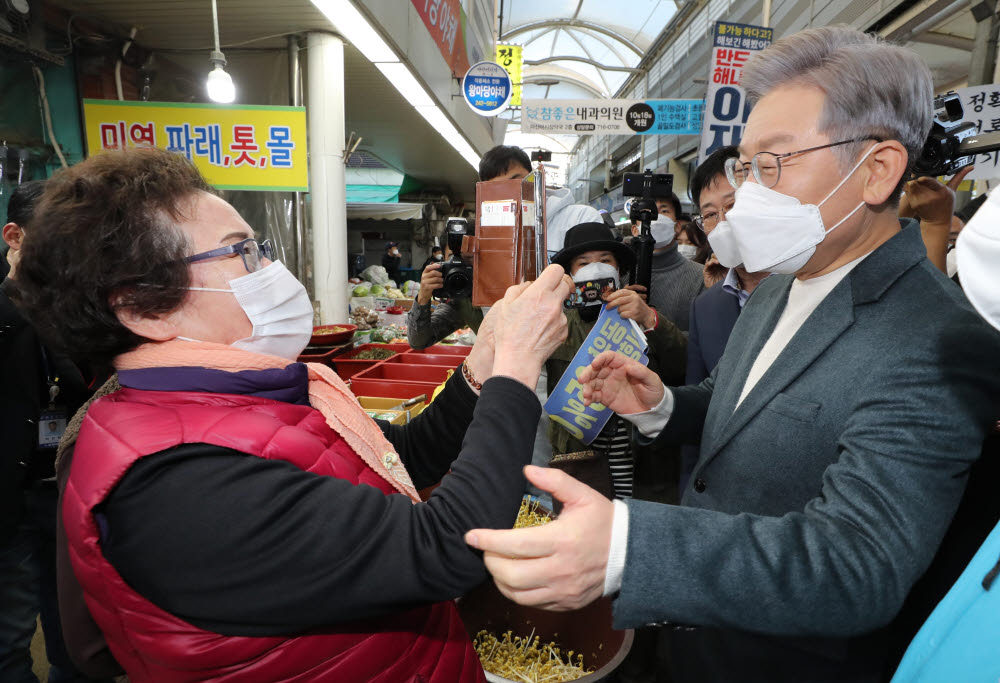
<point>770,231</point>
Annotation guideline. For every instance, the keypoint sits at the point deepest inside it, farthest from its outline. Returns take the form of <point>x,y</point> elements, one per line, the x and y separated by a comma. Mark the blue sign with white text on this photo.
<point>565,405</point>
<point>487,88</point>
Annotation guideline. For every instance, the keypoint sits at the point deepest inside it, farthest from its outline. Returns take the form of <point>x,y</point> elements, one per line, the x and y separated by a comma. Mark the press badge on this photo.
<point>51,427</point>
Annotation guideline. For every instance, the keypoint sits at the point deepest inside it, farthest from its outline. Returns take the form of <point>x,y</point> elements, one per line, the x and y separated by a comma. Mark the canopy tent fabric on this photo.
<point>384,210</point>
<point>371,194</point>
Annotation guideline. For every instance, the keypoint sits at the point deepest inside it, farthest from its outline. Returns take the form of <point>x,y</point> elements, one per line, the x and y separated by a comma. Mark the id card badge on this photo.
<point>51,427</point>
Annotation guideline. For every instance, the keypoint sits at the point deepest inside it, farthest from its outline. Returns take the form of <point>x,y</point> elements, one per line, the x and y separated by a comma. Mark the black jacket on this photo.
<point>23,396</point>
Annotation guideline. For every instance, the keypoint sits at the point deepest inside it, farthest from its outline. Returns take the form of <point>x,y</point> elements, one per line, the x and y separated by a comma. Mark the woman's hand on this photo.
<point>620,383</point>
<point>430,280</point>
<point>480,359</point>
<point>530,325</point>
<point>631,306</point>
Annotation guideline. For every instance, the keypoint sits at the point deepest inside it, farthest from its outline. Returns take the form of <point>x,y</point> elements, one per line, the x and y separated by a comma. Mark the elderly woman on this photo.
<point>231,514</point>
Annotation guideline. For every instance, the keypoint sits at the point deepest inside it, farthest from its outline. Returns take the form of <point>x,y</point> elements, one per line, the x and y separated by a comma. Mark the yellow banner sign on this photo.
<point>509,57</point>
<point>237,147</point>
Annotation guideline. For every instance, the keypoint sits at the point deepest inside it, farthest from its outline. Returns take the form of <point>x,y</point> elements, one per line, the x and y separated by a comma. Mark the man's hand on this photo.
<point>630,305</point>
<point>620,383</point>
<point>558,566</point>
<point>430,280</point>
<point>531,325</point>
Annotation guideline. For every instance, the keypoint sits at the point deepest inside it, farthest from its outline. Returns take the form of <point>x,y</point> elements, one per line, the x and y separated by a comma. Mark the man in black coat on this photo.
<point>40,391</point>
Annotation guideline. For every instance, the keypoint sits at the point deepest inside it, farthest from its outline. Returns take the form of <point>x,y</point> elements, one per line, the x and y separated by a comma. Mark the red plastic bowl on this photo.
<point>339,337</point>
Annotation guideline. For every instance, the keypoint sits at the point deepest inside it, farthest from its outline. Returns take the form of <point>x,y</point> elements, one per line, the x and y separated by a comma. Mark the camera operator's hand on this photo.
<point>930,200</point>
<point>630,305</point>
<point>430,280</point>
<point>531,325</point>
<point>933,204</point>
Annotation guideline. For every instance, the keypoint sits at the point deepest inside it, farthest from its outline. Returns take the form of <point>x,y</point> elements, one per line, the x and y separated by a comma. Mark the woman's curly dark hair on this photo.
<point>103,237</point>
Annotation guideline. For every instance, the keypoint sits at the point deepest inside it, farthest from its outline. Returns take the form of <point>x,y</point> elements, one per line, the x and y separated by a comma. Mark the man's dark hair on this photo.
<point>104,238</point>
<point>496,161</point>
<point>710,169</point>
<point>433,249</point>
<point>672,198</point>
<point>21,206</point>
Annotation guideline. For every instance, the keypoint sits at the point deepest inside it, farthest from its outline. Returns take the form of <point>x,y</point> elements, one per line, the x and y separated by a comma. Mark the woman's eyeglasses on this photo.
<point>250,250</point>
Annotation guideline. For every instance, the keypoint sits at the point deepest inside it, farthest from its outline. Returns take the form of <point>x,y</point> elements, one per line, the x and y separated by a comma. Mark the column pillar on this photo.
<point>328,191</point>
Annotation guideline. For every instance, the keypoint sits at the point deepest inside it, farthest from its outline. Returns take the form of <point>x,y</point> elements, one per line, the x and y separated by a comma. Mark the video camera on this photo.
<point>456,273</point>
<point>647,187</point>
<point>952,144</point>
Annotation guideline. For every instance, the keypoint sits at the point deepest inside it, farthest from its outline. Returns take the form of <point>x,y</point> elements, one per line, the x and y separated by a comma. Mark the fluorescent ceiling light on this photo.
<point>408,86</point>
<point>346,18</point>
<point>445,129</point>
<point>356,29</point>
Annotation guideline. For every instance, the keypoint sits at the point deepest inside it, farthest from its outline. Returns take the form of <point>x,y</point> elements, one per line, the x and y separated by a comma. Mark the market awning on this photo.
<point>384,210</point>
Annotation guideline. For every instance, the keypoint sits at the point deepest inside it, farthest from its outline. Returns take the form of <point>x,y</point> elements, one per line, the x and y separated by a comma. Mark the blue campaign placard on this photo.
<point>676,117</point>
<point>565,405</point>
<point>487,88</point>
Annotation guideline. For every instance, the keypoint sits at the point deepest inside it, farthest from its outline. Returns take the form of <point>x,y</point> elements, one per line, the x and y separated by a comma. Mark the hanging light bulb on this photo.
<point>220,84</point>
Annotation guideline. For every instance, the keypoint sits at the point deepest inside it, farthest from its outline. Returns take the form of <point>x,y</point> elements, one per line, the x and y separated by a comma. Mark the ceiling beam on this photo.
<point>924,16</point>
<point>574,58</point>
<point>945,40</point>
<point>575,24</point>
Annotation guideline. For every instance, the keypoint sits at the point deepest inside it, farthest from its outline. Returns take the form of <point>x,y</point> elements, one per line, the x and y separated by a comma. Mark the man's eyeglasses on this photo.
<point>766,166</point>
<point>707,221</point>
<point>250,250</point>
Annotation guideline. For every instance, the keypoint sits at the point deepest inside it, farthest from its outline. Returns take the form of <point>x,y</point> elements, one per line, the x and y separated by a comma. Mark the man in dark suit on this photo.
<point>836,437</point>
<point>715,311</point>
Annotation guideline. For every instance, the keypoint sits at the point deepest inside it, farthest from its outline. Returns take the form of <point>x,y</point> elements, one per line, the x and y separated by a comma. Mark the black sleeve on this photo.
<point>432,440</point>
<point>241,545</point>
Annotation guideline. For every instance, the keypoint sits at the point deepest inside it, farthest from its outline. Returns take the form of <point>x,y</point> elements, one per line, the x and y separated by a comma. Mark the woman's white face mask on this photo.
<point>277,305</point>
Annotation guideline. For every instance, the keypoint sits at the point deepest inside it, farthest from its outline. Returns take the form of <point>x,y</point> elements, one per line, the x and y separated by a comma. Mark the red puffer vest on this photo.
<point>425,645</point>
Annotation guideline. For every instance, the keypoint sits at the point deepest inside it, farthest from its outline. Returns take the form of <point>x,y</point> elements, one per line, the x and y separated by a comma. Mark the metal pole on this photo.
<point>298,215</point>
<point>766,19</point>
<point>326,174</point>
<point>984,50</point>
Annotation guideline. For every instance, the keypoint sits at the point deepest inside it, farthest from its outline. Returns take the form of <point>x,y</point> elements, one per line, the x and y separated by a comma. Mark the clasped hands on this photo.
<point>563,565</point>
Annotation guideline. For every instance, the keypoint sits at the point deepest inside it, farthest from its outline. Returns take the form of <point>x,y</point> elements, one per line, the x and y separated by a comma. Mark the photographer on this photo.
<point>676,280</point>
<point>426,328</point>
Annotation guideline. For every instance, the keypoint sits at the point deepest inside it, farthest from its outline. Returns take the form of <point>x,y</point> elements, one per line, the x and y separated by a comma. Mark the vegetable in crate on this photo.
<point>373,354</point>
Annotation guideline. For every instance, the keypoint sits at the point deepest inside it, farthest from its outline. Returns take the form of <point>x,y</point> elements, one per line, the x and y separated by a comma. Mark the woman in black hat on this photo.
<point>591,251</point>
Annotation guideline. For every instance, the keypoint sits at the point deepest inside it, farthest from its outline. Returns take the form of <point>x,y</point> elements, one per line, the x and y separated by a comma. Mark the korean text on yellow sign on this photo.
<point>237,147</point>
<point>509,57</point>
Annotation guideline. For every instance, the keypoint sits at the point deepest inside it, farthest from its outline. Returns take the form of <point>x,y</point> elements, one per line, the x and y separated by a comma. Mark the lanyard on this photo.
<point>51,380</point>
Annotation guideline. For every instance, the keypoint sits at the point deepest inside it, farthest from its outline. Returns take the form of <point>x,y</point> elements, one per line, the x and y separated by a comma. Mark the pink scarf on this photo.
<point>327,393</point>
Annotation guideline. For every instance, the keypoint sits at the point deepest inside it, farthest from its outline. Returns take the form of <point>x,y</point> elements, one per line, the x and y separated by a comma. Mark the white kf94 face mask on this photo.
<point>597,271</point>
<point>663,230</point>
<point>278,306</point>
<point>774,232</point>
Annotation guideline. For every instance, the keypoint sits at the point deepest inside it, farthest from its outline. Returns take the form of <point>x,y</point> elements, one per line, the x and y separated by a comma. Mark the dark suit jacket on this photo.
<point>818,502</point>
<point>713,315</point>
